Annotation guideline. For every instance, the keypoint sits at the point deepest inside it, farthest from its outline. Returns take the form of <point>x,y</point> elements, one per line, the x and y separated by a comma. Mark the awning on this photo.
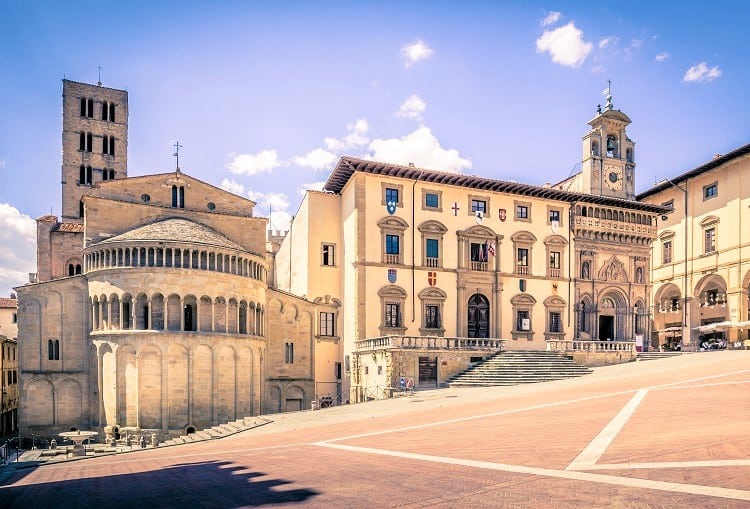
<point>717,326</point>
<point>669,329</point>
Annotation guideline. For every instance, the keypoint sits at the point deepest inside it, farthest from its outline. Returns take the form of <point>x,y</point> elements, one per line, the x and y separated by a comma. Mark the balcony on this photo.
<point>552,272</point>
<point>432,262</point>
<point>479,266</point>
<point>523,270</point>
<point>429,343</point>
<point>393,259</point>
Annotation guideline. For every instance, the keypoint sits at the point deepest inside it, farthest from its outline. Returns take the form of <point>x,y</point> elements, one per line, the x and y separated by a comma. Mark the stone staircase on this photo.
<point>650,356</point>
<point>219,431</point>
<point>518,367</point>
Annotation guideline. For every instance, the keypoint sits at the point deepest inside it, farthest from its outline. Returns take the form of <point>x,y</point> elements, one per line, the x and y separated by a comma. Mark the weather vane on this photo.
<point>177,147</point>
<point>100,75</point>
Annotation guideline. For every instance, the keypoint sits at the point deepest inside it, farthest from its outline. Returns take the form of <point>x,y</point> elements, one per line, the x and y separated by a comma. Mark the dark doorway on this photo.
<point>428,371</point>
<point>606,328</point>
<point>479,316</point>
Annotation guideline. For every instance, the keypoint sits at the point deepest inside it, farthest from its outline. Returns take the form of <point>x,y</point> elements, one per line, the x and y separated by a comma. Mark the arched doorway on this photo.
<point>607,323</point>
<point>479,316</point>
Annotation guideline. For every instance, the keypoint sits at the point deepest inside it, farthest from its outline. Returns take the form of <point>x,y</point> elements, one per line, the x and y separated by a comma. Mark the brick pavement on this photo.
<point>596,441</point>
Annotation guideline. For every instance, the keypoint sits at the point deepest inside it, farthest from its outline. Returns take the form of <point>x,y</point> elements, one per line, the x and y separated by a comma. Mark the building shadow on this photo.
<point>215,484</point>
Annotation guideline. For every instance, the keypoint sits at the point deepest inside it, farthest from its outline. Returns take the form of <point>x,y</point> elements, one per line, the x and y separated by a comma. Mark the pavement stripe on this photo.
<point>591,454</point>
<point>699,379</point>
<point>481,416</point>
<point>666,464</point>
<point>630,482</point>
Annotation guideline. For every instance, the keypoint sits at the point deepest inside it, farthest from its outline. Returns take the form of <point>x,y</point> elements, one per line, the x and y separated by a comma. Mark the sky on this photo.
<point>264,97</point>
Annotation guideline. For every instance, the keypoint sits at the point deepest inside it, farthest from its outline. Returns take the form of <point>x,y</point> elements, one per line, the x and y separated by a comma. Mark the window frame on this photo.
<point>472,210</point>
<point>327,324</point>
<point>327,253</point>
<point>526,206</point>
<point>711,190</point>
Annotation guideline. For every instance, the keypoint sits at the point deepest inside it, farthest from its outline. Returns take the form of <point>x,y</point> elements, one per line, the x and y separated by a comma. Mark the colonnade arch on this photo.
<point>237,263</point>
<point>230,315</point>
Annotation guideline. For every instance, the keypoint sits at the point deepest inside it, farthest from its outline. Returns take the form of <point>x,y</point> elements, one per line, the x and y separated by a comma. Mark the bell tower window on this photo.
<point>612,148</point>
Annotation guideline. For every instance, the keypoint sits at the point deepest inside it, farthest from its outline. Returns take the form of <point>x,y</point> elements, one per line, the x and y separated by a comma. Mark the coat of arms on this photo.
<point>391,207</point>
<point>502,214</point>
<point>432,278</point>
<point>392,276</point>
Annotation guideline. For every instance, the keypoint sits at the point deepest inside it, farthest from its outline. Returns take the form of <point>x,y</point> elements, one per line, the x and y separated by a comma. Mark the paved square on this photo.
<point>667,433</point>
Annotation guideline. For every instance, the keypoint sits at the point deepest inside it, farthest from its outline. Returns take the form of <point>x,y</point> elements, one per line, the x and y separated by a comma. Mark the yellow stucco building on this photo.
<point>701,260</point>
<point>432,270</point>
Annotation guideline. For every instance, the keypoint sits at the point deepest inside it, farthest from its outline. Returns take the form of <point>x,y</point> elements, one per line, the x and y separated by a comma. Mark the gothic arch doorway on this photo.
<point>479,316</point>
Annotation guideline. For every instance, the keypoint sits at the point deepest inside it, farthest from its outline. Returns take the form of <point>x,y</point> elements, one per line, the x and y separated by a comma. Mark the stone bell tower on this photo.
<point>94,141</point>
<point>609,155</point>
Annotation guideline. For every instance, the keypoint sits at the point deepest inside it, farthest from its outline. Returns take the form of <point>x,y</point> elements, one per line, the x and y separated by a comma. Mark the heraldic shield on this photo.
<point>432,278</point>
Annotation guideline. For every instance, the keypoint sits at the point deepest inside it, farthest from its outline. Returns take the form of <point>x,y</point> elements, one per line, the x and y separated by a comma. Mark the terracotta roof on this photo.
<point>6,302</point>
<point>348,165</point>
<point>48,218</point>
<point>715,162</point>
<point>175,230</point>
<point>70,227</point>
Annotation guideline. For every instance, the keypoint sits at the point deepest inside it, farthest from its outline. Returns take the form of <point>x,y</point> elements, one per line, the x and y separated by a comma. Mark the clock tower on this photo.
<point>609,155</point>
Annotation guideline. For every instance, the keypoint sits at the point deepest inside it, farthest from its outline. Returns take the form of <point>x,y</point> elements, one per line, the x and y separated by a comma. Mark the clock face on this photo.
<point>613,177</point>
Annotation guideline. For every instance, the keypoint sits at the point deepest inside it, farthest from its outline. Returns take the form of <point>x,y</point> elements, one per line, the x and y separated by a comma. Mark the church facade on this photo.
<point>151,307</point>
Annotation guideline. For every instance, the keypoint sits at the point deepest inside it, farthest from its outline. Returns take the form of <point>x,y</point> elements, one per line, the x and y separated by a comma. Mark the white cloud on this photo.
<point>318,159</point>
<point>415,52</point>
<point>279,220</point>
<point>700,73</point>
<point>421,148</point>
<point>2,163</point>
<point>312,186</point>
<point>604,43</point>
<point>232,186</point>
<point>250,164</point>
<point>277,201</point>
<point>565,45</point>
<point>355,138</point>
<point>412,107</point>
<point>277,204</point>
<point>661,57</point>
<point>18,235</point>
<point>551,18</point>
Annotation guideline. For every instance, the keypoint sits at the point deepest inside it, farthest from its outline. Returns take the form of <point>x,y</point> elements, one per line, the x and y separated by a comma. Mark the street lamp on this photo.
<point>685,326</point>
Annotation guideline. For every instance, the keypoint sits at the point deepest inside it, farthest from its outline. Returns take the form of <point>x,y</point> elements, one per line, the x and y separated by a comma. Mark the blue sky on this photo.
<point>265,96</point>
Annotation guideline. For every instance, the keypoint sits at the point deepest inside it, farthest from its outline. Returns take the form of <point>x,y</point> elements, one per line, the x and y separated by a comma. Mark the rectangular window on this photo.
<point>326,324</point>
<point>391,195</point>
<point>337,370</point>
<point>328,255</point>
<point>431,248</point>
<point>53,349</point>
<point>391,245</point>
<point>105,145</point>
<point>431,200</point>
<point>432,316</point>
<point>522,212</point>
<point>392,314</point>
<point>666,253</point>
<point>710,190</point>
<point>289,353</point>
<point>15,317</point>
<point>554,215</point>
<point>478,205</point>
<point>523,257</point>
<point>554,321</point>
<point>710,236</point>
<point>478,252</point>
<point>554,260</point>
<point>522,320</point>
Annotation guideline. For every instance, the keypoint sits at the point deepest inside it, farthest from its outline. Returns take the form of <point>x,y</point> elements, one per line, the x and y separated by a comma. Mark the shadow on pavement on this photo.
<point>214,484</point>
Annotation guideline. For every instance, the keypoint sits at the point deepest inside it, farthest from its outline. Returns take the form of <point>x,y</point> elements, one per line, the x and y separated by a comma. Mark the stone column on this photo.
<point>164,391</point>
<point>147,316</point>
<point>182,314</point>
<point>122,310</point>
